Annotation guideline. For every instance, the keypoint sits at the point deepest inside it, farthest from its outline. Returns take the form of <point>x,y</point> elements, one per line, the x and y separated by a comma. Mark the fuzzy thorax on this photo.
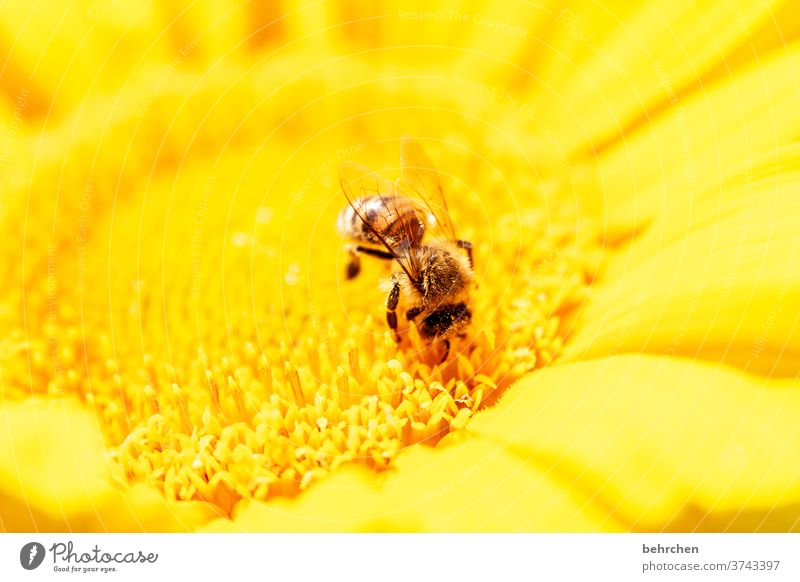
<point>445,276</point>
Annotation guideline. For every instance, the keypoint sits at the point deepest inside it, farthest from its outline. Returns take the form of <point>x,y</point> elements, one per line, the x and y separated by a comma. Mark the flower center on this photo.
<point>227,357</point>
<point>275,419</point>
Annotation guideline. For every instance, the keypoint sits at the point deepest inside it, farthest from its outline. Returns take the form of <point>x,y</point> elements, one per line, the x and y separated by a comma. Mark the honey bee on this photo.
<point>408,222</point>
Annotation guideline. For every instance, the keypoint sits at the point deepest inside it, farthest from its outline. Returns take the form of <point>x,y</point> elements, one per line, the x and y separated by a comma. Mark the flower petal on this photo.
<point>698,142</point>
<point>776,32</point>
<point>470,484</point>
<point>349,500</point>
<point>620,66</point>
<point>43,442</point>
<point>53,477</point>
<point>717,278</point>
<point>474,29</point>
<point>662,443</point>
<point>474,484</point>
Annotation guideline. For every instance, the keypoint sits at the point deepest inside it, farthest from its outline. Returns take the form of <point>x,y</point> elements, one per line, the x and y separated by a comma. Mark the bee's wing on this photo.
<point>420,180</point>
<point>358,183</point>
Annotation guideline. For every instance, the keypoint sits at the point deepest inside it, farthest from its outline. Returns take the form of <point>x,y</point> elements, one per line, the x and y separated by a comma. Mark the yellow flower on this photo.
<point>181,352</point>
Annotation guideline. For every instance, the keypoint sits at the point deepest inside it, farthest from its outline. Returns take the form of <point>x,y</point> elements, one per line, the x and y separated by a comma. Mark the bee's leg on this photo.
<point>446,350</point>
<point>374,253</point>
<point>413,313</point>
<point>391,308</point>
<point>353,265</point>
<point>467,246</point>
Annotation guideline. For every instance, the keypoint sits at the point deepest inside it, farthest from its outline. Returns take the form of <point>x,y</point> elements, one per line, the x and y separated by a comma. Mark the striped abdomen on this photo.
<point>399,220</point>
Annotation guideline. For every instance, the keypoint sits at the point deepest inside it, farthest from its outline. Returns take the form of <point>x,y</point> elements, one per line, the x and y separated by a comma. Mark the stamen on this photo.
<point>288,399</point>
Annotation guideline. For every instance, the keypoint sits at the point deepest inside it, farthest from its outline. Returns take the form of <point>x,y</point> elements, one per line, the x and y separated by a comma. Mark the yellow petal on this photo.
<point>143,508</point>
<point>621,74</point>
<point>474,484</point>
<point>662,443</point>
<point>350,500</point>
<point>576,31</point>
<point>42,445</point>
<point>479,42</point>
<point>503,35</point>
<point>470,484</point>
<point>717,278</point>
<point>54,477</point>
<point>775,34</point>
<point>698,142</point>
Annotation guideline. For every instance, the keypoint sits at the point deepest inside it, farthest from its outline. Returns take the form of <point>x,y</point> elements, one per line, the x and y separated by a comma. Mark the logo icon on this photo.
<point>31,555</point>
